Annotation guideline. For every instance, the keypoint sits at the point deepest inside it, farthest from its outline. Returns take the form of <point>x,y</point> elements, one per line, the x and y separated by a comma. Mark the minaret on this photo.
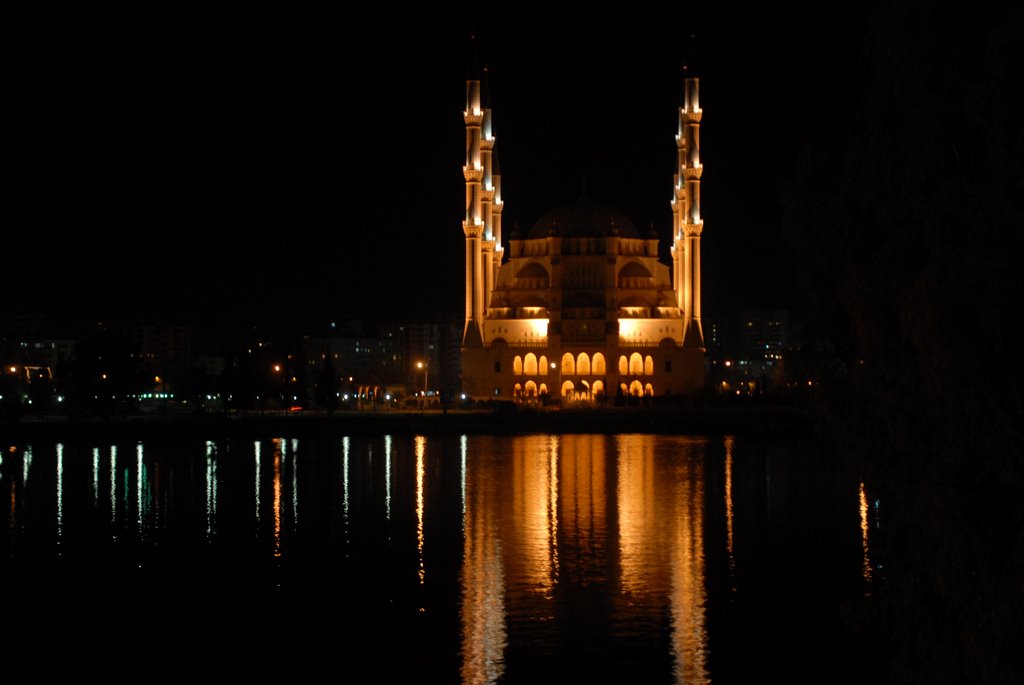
<point>473,224</point>
<point>686,220</point>
<point>488,243</point>
<point>496,207</point>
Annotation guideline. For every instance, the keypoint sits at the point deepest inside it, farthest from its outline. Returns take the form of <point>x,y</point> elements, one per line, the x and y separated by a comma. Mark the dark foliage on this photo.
<point>907,232</point>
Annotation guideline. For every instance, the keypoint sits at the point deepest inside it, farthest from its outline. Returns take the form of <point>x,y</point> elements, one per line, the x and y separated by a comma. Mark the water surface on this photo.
<point>574,558</point>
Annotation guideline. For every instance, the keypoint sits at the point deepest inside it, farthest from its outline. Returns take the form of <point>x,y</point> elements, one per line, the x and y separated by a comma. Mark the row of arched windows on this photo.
<point>569,389</point>
<point>585,390</point>
<point>582,365</point>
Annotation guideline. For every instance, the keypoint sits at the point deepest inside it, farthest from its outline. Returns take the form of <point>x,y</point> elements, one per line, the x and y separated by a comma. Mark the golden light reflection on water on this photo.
<point>482,579</point>
<point>864,532</point>
<point>421,451</point>
<point>538,536</point>
<point>728,511</point>
<point>638,517</point>
<point>583,508</point>
<point>277,443</point>
<point>534,497</point>
<point>689,595</point>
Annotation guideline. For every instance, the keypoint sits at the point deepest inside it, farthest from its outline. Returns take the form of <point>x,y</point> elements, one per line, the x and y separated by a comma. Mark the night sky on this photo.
<point>232,163</point>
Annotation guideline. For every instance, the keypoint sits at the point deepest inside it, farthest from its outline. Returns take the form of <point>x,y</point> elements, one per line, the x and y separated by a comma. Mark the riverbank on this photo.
<point>662,420</point>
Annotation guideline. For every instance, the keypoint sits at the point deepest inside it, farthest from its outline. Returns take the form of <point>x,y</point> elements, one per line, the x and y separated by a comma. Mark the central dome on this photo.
<point>584,218</point>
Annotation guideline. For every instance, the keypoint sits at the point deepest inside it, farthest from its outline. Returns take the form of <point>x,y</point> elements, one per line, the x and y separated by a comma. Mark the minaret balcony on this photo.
<point>691,173</point>
<point>693,230</point>
<point>474,119</point>
<point>472,229</point>
<point>691,117</point>
<point>472,173</point>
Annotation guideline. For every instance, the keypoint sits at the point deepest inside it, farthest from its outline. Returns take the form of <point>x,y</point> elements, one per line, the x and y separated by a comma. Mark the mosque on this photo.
<point>580,308</point>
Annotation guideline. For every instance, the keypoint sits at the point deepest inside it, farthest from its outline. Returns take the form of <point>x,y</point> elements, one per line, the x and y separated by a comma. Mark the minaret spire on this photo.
<point>473,224</point>
<point>687,223</point>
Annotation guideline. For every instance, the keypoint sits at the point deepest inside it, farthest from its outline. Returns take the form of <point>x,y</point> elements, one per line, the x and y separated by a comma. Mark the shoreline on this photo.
<point>658,420</point>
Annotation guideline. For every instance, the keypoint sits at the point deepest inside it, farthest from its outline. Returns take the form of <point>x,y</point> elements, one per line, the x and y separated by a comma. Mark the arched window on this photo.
<point>543,390</point>
<point>568,365</point>
<point>543,365</point>
<point>531,389</point>
<point>636,364</point>
<point>517,366</point>
<point>623,365</point>
<point>598,365</point>
<point>583,364</point>
<point>598,388</point>
<point>622,387</point>
<point>567,388</point>
<point>649,390</point>
<point>648,365</point>
<point>636,389</point>
<point>517,390</point>
<point>530,364</point>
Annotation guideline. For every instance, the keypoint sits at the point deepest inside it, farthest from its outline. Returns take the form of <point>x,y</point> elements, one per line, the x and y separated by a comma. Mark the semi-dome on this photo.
<point>584,218</point>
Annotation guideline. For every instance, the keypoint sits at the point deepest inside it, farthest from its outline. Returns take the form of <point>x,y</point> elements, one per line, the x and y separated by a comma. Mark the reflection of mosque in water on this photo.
<point>583,510</point>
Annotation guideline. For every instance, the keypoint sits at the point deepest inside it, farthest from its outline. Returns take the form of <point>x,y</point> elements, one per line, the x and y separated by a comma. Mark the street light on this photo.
<point>423,365</point>
<point>559,385</point>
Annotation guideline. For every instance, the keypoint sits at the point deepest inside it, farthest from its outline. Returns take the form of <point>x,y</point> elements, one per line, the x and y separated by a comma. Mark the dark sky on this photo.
<point>230,163</point>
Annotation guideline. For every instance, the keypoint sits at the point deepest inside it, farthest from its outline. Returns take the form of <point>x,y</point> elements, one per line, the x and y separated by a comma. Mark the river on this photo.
<point>474,559</point>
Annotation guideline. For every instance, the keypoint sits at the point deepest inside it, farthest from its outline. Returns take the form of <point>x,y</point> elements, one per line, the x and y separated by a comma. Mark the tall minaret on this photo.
<point>491,243</point>
<point>473,224</point>
<point>686,220</point>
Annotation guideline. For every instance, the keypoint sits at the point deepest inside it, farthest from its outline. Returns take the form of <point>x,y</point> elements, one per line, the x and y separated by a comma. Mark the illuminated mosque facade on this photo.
<point>580,307</point>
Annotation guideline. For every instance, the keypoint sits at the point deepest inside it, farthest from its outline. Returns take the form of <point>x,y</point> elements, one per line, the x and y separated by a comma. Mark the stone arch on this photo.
<point>533,270</point>
<point>634,270</point>
<point>583,364</point>
<point>636,364</point>
<point>530,389</point>
<point>517,390</point>
<point>597,388</point>
<point>623,390</point>
<point>623,365</point>
<point>542,365</point>
<point>648,365</point>
<point>568,364</point>
<point>567,388</point>
<point>517,366</point>
<point>648,390</point>
<point>636,389</point>
<point>543,389</point>
<point>599,365</point>
<point>530,364</point>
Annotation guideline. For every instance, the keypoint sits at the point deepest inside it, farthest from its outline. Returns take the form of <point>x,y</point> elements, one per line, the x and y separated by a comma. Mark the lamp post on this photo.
<point>423,365</point>
<point>558,387</point>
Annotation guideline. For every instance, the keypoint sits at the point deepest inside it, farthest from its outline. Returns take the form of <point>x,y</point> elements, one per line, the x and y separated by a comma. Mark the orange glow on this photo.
<point>277,368</point>
<point>421,451</point>
<point>728,506</point>
<point>277,496</point>
<point>864,531</point>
